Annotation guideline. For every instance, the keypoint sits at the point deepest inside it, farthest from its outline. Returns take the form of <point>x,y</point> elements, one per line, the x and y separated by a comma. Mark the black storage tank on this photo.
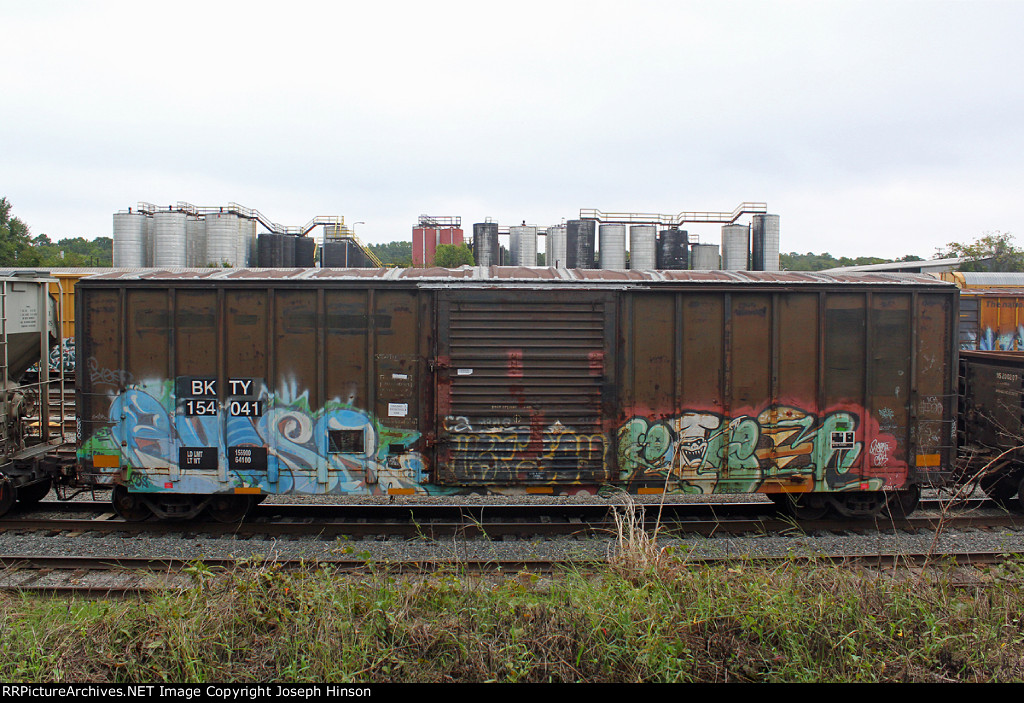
<point>579,244</point>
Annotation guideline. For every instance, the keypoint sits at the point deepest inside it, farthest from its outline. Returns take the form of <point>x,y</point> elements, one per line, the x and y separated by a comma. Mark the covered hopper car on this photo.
<point>29,393</point>
<point>206,390</point>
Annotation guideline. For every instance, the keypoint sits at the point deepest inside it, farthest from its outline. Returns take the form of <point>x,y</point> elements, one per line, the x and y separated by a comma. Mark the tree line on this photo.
<point>19,249</point>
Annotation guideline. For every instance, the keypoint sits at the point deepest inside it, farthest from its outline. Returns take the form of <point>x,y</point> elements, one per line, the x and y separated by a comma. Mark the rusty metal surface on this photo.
<point>508,274</point>
<point>992,401</point>
<point>520,386</point>
<point>992,319</point>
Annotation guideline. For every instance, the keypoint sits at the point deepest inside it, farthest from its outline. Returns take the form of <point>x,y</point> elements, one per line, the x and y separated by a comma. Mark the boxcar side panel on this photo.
<point>934,393</point>
<point>340,386</point>
<point>781,391</point>
<point>101,377</point>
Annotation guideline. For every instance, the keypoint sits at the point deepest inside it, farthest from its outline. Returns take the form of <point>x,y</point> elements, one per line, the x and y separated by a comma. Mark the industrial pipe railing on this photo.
<point>638,218</point>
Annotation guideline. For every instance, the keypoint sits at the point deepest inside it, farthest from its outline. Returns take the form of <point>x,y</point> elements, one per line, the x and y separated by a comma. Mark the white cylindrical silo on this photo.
<point>612,246</point>
<point>735,247</point>
<point>524,245</point>
<point>556,251</point>
<point>221,239</point>
<point>253,244</point>
<point>643,247</point>
<point>147,242</point>
<point>243,242</point>
<point>195,242</point>
<point>704,257</point>
<point>169,238</point>
<point>129,240</point>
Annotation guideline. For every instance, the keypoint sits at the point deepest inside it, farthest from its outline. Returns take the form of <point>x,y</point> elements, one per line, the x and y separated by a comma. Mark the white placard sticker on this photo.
<point>400,376</point>
<point>398,409</point>
<point>465,372</point>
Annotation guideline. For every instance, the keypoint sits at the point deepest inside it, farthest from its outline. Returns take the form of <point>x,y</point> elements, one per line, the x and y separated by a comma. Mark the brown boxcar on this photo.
<point>832,389</point>
<point>991,423</point>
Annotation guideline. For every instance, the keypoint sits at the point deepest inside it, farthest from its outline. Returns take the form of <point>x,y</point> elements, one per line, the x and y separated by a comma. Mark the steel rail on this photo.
<point>127,576</point>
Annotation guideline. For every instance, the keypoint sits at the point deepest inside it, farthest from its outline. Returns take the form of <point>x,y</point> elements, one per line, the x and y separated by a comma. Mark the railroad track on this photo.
<point>109,576</point>
<point>124,577</point>
<point>493,521</point>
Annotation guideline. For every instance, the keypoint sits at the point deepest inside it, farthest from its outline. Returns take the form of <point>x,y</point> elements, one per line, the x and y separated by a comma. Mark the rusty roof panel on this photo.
<point>512,274</point>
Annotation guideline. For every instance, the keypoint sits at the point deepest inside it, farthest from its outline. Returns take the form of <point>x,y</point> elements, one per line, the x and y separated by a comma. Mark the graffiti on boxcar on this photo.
<point>61,357</point>
<point>109,377</point>
<point>709,453</point>
<point>147,429</point>
<point>879,452</point>
<point>990,340</point>
<point>505,447</point>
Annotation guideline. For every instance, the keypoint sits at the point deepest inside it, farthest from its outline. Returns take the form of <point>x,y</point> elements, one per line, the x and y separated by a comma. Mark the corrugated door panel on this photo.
<point>523,383</point>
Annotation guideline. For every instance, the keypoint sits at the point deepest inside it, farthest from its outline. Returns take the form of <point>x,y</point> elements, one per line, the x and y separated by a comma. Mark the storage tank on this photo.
<point>704,257</point>
<point>735,247</point>
<point>246,242</point>
<point>195,242</point>
<point>265,250</point>
<point>147,241</point>
<point>673,250</point>
<point>288,251</point>
<point>579,244</point>
<point>524,245</point>
<point>221,237</point>
<point>343,253</point>
<point>277,249</point>
<point>555,249</point>
<point>305,252</point>
<point>485,243</point>
<point>643,247</point>
<point>169,238</point>
<point>765,243</point>
<point>129,240</point>
<point>612,246</point>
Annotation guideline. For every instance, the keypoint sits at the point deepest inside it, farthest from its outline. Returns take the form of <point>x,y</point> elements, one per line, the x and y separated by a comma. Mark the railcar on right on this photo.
<point>991,309</point>
<point>991,423</point>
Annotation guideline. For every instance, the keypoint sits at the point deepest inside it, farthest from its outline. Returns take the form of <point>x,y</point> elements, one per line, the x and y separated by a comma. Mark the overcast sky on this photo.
<point>871,128</point>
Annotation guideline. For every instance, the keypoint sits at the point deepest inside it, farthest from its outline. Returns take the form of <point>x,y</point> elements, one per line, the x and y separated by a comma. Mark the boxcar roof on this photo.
<point>1005,292</point>
<point>512,275</point>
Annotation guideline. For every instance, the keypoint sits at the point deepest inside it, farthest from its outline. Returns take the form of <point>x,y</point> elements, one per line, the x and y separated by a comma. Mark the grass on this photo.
<point>648,617</point>
<point>670,623</point>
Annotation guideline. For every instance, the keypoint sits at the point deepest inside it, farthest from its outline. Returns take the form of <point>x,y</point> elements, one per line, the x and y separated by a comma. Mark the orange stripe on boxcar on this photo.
<point>247,489</point>
<point>929,459</point>
<point>106,461</point>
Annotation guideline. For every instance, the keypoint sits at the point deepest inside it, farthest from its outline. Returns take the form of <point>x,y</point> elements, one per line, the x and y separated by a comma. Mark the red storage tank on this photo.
<point>430,232</point>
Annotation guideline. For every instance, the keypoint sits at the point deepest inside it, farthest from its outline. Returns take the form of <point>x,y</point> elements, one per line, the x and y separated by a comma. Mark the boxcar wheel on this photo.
<point>6,495</point>
<point>903,502</point>
<point>1001,488</point>
<point>128,506</point>
<point>802,506</point>
<point>1020,496</point>
<point>33,493</point>
<point>229,508</point>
